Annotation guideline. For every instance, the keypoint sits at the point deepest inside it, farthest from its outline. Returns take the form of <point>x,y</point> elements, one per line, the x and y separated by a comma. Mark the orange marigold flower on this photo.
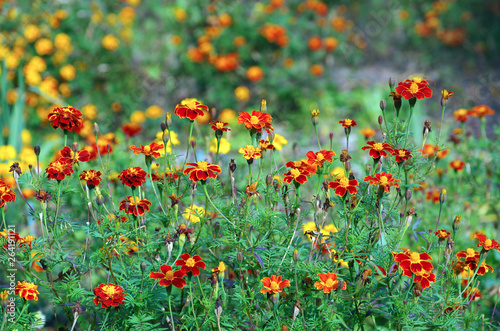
<point>433,195</point>
<point>66,118</point>
<point>402,155</point>
<point>378,150</point>
<point>28,291</point>
<point>341,185</point>
<point>265,144</point>
<point>425,278</point>
<point>445,94</point>
<point>109,295</point>
<point>201,171</point>
<point>320,157</point>
<point>249,152</point>
<point>256,121</point>
<point>367,132</point>
<point>192,264</point>
<point>92,177</point>
<point>469,255</point>
<point>148,150</point>
<point>142,206</point>
<point>415,88</point>
<point>457,165</point>
<point>59,169</point>
<point>461,115</point>
<point>274,284</point>
<point>219,126</point>
<point>308,168</point>
<point>169,277</point>
<point>348,123</point>
<point>6,194</point>
<point>133,177</point>
<point>131,129</point>
<point>442,234</point>
<point>486,243</point>
<point>383,180</point>
<point>481,111</point>
<point>298,176</point>
<point>413,262</point>
<point>328,282</point>
<point>190,108</point>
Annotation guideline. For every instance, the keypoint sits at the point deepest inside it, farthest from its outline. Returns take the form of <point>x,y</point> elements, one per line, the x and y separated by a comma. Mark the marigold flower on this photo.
<point>445,95</point>
<point>109,295</point>
<point>348,123</point>
<point>461,115</point>
<point>320,157</point>
<point>219,126</point>
<point>148,150</point>
<point>169,277</point>
<point>6,194</point>
<point>201,171</point>
<point>402,155</point>
<point>131,129</point>
<point>457,165</point>
<point>367,132</point>
<point>59,169</point>
<point>70,156</point>
<point>486,243</point>
<point>274,284</point>
<point>415,88</point>
<point>28,241</point>
<point>342,184</point>
<point>28,291</point>
<point>378,150</point>
<point>256,121</point>
<point>413,262</point>
<point>481,111</point>
<point>383,180</point>
<point>265,144</point>
<point>192,264</point>
<point>66,118</point>
<point>328,282</point>
<point>133,177</point>
<point>472,294</point>
<point>296,175</point>
<point>190,108</point>
<point>220,269</point>
<point>250,152</point>
<point>194,213</point>
<point>92,178</point>
<point>142,206</point>
<point>424,278</point>
<point>442,234</point>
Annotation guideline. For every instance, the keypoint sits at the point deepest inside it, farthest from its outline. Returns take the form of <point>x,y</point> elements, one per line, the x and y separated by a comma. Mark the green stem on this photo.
<point>217,209</point>
<point>3,218</point>
<point>192,304</point>
<point>217,155</point>
<point>170,309</point>
<point>58,201</point>
<point>409,124</point>
<point>317,137</point>
<point>187,154</point>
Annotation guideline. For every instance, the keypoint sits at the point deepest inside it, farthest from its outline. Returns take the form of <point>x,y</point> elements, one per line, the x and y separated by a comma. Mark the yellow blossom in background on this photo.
<point>12,61</point>
<point>154,112</point>
<point>27,156</point>
<point>227,115</point>
<point>49,86</point>
<point>193,213</point>
<point>58,58</point>
<point>309,226</point>
<point>110,42</point>
<point>11,96</point>
<point>224,147</point>
<point>279,141</point>
<point>242,93</point>
<point>134,2</point>
<point>127,16</point>
<point>89,111</point>
<point>337,172</point>
<point>329,228</point>
<point>63,43</point>
<point>138,117</point>
<point>31,33</point>
<point>67,72</point>
<point>86,130</point>
<point>7,152</point>
<point>180,14</point>
<point>44,46</point>
<point>174,140</point>
<point>4,51</point>
<point>37,63</point>
<point>112,19</point>
<point>4,295</point>
<point>26,137</point>
<point>176,39</point>
<point>65,89</point>
<point>32,78</point>
<point>97,17</point>
<point>126,34</point>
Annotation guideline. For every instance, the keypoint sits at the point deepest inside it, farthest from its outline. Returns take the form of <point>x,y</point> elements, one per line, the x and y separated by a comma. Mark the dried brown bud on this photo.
<point>239,257</point>
<point>232,168</point>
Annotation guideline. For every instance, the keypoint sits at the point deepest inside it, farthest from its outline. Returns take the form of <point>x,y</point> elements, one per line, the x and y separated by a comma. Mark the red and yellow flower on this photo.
<point>461,115</point>
<point>256,121</point>
<point>6,194</point>
<point>425,278</point>
<point>250,152</point>
<point>70,156</point>
<point>298,176</point>
<point>142,206</point>
<point>148,150</point>
<point>201,171</point>
<point>348,123</point>
<point>131,129</point>
<point>59,169</point>
<point>328,282</point>
<point>91,177</point>
<point>402,155</point>
<point>320,157</point>
<point>378,150</point>
<point>219,126</point>
<point>367,133</point>
<point>190,108</point>
<point>383,180</point>
<point>342,185</point>
<point>133,177</point>
<point>66,118</point>
<point>274,284</point>
<point>265,144</point>
<point>169,277</point>
<point>457,165</point>
<point>192,264</point>
<point>481,111</point>
<point>28,291</point>
<point>413,262</point>
<point>442,234</point>
<point>486,243</point>
<point>415,88</point>
<point>109,295</point>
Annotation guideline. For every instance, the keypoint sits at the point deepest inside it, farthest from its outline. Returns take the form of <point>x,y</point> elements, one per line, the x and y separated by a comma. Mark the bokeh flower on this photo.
<point>66,118</point>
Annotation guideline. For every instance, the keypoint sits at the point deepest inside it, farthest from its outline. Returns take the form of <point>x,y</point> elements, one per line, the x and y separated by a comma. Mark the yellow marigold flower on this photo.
<point>62,42</point>
<point>227,115</point>
<point>44,46</point>
<point>138,117</point>
<point>127,16</point>
<point>180,14</point>
<point>11,96</point>
<point>309,226</point>
<point>224,147</point>
<point>89,111</point>
<point>27,154</point>
<point>65,89</point>
<point>194,213</point>
<point>7,152</point>
<point>154,112</point>
<point>337,172</point>
<point>31,33</point>
<point>4,295</point>
<point>329,228</point>
<point>242,93</point>
<point>250,152</point>
<point>86,130</point>
<point>110,42</point>
<point>29,291</point>
<point>67,72</point>
<point>279,141</point>
<point>134,2</point>
<point>221,268</point>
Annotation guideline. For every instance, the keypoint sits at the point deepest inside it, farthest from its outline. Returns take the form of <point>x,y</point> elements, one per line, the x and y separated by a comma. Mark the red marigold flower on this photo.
<point>148,150</point>
<point>109,295</point>
<point>219,126</point>
<point>131,129</point>
<point>472,294</point>
<point>442,234</point>
<point>469,255</point>
<point>415,88</point>
<point>6,194</point>
<point>201,171</point>
<point>304,166</point>
<point>59,169</point>
<point>296,175</point>
<point>433,195</point>
<point>92,177</point>
<point>28,291</point>
<point>167,277</point>
<point>66,118</point>
<point>192,264</point>
<point>481,111</point>
<point>274,284</point>
<point>486,243</point>
<point>142,206</point>
<point>424,278</point>
<point>70,156</point>
<point>395,96</point>
<point>250,152</point>
<point>414,262</point>
<point>190,108</point>
<point>341,185</point>
<point>256,121</point>
<point>348,123</point>
<point>265,144</point>
<point>457,165</point>
<point>461,115</point>
<point>328,282</point>
<point>402,155</point>
<point>133,176</point>
<point>378,150</point>
<point>320,157</point>
<point>383,179</point>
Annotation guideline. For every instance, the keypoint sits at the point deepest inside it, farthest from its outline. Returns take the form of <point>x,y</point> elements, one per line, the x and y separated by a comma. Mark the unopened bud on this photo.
<point>263,105</point>
<point>77,309</point>
<point>331,135</point>
<point>108,148</point>
<point>449,246</point>
<point>271,136</point>
<point>37,150</point>
<point>408,195</point>
<point>168,119</point>
<point>163,126</point>
<point>193,144</point>
<point>380,120</point>
<point>239,257</point>
<point>100,200</point>
<point>442,196</point>
<point>95,128</point>
<point>295,255</point>
<point>456,223</point>
<point>269,180</point>
<point>392,82</point>
<point>74,147</point>
<point>143,266</point>
<point>383,105</point>
<point>348,166</point>
<point>427,128</point>
<point>232,168</point>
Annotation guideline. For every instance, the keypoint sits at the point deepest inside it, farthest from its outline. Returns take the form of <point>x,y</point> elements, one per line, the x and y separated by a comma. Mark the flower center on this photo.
<point>320,157</point>
<point>219,126</point>
<point>415,257</point>
<point>203,166</point>
<point>147,148</point>
<point>109,290</point>
<point>417,79</point>
<point>384,181</point>
<point>344,182</point>
<point>169,275</point>
<point>329,282</point>
<point>470,252</point>
<point>295,173</point>
<point>254,120</point>
<point>274,286</point>
<point>191,104</point>
<point>135,201</point>
<point>487,243</point>
<point>378,146</point>
<point>190,262</point>
<point>348,121</point>
<point>414,88</point>
<point>402,153</point>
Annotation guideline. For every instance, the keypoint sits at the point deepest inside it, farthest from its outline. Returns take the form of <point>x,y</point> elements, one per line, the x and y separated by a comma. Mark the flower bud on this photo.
<point>232,168</point>
<point>380,120</point>
<point>442,196</point>
<point>408,195</point>
<point>347,166</point>
<point>427,128</point>
<point>37,150</point>
<point>383,105</point>
<point>456,223</point>
<point>74,147</point>
<point>263,105</point>
<point>314,116</point>
<point>295,255</point>
<point>143,266</point>
<point>269,180</point>
<point>193,144</point>
<point>239,257</point>
<point>392,82</point>
<point>95,129</point>
<point>271,136</point>
<point>100,200</point>
<point>331,135</point>
<point>449,246</point>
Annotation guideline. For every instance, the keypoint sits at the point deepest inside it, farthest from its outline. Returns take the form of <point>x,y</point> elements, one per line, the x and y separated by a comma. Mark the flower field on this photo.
<point>220,167</point>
